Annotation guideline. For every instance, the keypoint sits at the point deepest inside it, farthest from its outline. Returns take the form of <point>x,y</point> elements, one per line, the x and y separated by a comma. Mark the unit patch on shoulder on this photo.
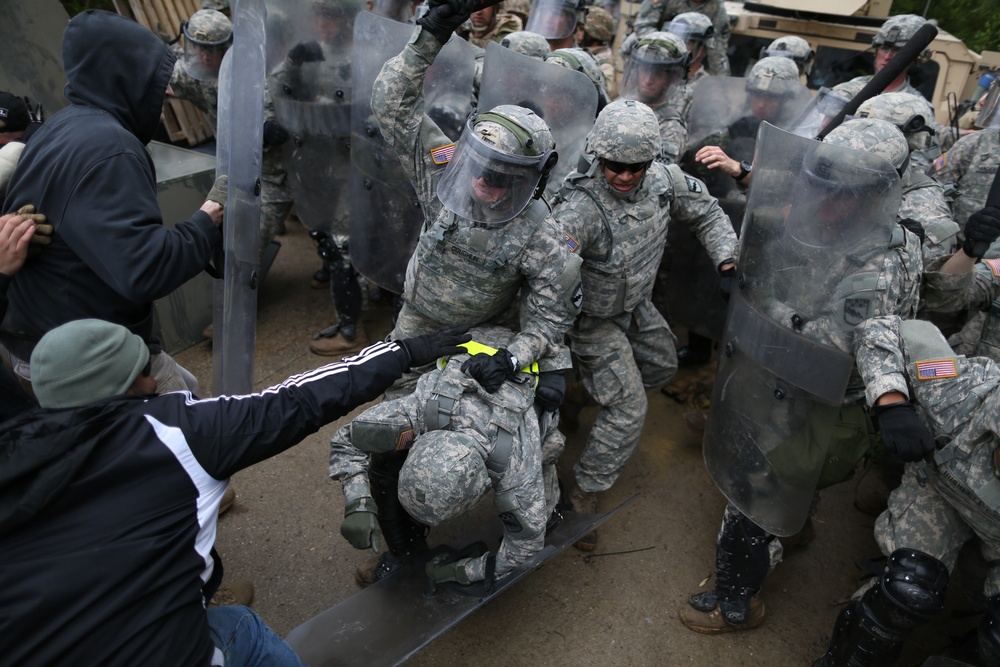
<point>693,184</point>
<point>936,369</point>
<point>443,154</point>
<point>856,310</point>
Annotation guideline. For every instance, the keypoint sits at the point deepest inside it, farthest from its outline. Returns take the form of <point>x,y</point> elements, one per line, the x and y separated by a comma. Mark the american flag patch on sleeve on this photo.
<point>572,243</point>
<point>940,163</point>
<point>443,154</point>
<point>994,265</point>
<point>405,440</point>
<point>936,369</point>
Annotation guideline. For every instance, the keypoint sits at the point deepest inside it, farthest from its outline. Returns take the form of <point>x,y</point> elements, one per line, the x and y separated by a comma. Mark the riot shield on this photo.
<point>721,115</point>
<point>311,90</point>
<point>390,621</point>
<point>565,99</point>
<point>820,110</point>
<point>385,213</point>
<point>815,213</point>
<point>239,144</point>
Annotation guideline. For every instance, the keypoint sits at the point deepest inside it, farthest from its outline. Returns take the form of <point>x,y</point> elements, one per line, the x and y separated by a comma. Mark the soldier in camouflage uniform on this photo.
<point>656,67</point>
<point>447,443</point>
<point>885,279</point>
<point>489,247</point>
<point>595,35</point>
<point>556,21</point>
<point>526,43</point>
<point>615,216</point>
<point>654,14</point>
<point>696,30</point>
<point>950,492</point>
<point>490,24</point>
<point>924,198</point>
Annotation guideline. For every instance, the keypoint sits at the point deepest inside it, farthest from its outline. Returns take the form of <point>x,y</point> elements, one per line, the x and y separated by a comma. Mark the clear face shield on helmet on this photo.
<point>838,194</point>
<point>486,184</point>
<point>989,114</point>
<point>651,80</point>
<point>202,58</point>
<point>817,113</point>
<point>553,19</point>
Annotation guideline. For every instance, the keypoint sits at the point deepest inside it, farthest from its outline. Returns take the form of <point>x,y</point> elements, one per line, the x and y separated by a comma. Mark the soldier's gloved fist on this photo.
<point>43,230</point>
<point>441,570</point>
<point>903,433</point>
<point>981,230</point>
<point>360,526</point>
<point>306,52</point>
<point>550,390</point>
<point>430,347</point>
<point>219,191</point>
<point>274,134</point>
<point>443,17</point>
<point>491,371</point>
<point>726,282</point>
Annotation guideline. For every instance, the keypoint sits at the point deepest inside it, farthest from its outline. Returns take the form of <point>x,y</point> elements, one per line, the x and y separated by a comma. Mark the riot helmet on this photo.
<point>555,19</point>
<point>656,65</point>
<point>519,8</point>
<point>626,135</point>
<point>207,36</point>
<point>911,114</point>
<point>894,34</point>
<point>526,43</point>
<point>581,60</point>
<point>843,182</point>
<point>443,477</point>
<point>692,27</point>
<point>989,116</point>
<point>501,162</point>
<point>794,47</point>
<point>770,85</point>
<point>599,25</point>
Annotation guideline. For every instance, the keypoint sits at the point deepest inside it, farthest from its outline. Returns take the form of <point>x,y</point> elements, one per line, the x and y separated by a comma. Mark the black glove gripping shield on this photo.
<point>390,621</point>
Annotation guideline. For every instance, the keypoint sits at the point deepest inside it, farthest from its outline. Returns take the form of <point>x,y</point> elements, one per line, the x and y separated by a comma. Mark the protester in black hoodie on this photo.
<point>88,169</point>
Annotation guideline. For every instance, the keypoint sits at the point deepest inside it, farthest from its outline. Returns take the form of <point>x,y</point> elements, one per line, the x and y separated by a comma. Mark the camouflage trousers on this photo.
<point>553,444</point>
<point>272,218</point>
<point>618,359</point>
<point>938,511</point>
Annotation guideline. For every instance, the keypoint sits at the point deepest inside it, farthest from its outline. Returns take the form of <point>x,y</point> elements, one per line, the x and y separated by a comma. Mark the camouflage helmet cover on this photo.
<point>662,48</point>
<point>599,24</point>
<point>526,43</point>
<point>218,5</point>
<point>443,477</point>
<point>520,7</point>
<point>872,135</point>
<point>898,30</point>
<point>774,76</point>
<point>513,130</point>
<point>625,131</point>
<point>790,46</point>
<point>692,27</point>
<point>909,113</point>
<point>208,27</point>
<point>581,60</point>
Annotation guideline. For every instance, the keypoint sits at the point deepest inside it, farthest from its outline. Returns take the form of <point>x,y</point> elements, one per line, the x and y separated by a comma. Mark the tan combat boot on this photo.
<point>584,503</point>
<point>713,623</point>
<point>338,345</point>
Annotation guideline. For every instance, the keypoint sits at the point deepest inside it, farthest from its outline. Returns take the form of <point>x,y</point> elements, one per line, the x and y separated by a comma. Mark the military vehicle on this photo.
<point>840,33</point>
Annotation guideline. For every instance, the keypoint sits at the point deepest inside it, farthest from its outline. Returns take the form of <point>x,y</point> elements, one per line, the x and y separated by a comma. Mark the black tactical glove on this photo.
<point>274,134</point>
<point>491,370</point>
<point>306,52</point>
<point>914,226</point>
<point>551,390</point>
<point>443,17</point>
<point>430,347</point>
<point>903,433</point>
<point>726,282</point>
<point>981,230</point>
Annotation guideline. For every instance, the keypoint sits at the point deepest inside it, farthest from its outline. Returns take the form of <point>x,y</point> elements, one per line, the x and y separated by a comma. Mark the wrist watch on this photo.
<point>745,168</point>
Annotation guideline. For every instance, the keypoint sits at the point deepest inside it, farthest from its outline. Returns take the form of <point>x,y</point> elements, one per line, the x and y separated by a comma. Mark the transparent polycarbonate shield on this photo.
<point>814,213</point>
<point>385,212</point>
<point>565,99</point>
<point>553,19</point>
<point>238,154</point>
<point>818,111</point>
<point>311,90</point>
